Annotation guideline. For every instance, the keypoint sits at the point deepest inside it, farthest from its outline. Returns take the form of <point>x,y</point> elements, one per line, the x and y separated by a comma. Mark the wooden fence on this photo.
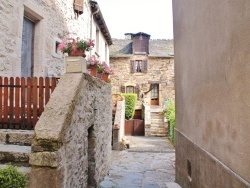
<point>22,100</point>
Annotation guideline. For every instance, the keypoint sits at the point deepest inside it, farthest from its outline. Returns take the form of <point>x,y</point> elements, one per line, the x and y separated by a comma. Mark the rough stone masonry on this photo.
<point>72,145</point>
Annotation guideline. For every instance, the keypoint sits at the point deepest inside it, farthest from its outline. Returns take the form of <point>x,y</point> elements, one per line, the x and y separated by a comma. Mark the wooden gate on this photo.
<point>134,127</point>
<point>22,100</point>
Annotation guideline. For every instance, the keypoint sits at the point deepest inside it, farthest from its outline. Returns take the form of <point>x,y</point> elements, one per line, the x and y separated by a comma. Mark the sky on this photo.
<point>133,16</point>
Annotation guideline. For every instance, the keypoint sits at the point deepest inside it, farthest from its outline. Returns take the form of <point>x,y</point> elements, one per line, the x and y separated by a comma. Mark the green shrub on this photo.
<point>11,178</point>
<point>130,103</point>
<point>169,113</point>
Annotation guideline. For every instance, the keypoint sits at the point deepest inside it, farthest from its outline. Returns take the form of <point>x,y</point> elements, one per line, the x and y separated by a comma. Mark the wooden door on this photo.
<point>134,127</point>
<point>27,56</point>
<point>155,94</point>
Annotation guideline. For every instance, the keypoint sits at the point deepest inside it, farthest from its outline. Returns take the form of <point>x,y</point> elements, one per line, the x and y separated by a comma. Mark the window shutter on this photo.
<point>132,66</point>
<point>78,6</point>
<point>123,89</point>
<point>144,66</point>
<point>137,90</point>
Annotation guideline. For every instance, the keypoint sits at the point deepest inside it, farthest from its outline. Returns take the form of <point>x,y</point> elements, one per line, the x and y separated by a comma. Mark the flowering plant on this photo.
<point>93,60</point>
<point>71,44</point>
<point>104,68</point>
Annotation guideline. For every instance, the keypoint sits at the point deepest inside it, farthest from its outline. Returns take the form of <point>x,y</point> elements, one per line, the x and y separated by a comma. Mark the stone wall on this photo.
<point>160,69</point>
<point>72,145</point>
<point>212,45</point>
<point>54,19</point>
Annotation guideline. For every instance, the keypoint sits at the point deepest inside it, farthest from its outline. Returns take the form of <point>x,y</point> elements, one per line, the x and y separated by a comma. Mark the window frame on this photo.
<point>138,66</point>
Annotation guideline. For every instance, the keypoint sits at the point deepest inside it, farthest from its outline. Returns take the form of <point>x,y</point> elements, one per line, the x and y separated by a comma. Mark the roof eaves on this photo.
<point>100,21</point>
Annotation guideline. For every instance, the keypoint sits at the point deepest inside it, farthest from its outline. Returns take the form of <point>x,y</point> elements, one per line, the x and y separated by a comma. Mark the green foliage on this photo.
<point>169,113</point>
<point>11,178</point>
<point>130,103</point>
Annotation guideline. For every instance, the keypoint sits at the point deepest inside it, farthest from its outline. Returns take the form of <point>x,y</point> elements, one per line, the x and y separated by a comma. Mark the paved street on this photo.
<point>148,163</point>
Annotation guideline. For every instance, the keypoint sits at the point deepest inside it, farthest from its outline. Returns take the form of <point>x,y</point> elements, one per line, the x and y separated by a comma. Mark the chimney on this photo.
<point>128,36</point>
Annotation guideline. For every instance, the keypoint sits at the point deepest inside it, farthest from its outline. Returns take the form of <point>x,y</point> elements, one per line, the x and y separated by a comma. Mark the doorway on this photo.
<point>27,58</point>
<point>155,94</point>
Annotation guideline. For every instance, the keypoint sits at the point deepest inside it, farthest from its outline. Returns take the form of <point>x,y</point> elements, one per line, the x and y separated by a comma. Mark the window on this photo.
<point>154,91</point>
<point>138,66</point>
<point>56,52</point>
<point>131,89</point>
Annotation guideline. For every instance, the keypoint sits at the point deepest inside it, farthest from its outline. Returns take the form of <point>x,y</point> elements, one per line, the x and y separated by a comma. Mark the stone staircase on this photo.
<point>158,126</point>
<point>15,147</point>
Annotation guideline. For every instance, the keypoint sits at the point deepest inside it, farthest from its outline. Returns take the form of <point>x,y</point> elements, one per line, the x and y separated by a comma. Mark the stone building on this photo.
<point>32,29</point>
<point>143,66</point>
<point>212,44</point>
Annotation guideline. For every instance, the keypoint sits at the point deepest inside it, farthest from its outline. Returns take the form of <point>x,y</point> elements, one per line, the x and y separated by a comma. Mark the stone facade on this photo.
<point>212,45</point>
<point>160,70</point>
<point>72,144</point>
<point>145,67</point>
<point>53,20</point>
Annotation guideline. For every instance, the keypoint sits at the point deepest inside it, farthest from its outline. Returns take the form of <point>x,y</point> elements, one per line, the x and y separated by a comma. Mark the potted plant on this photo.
<point>92,63</point>
<point>76,47</point>
<point>103,71</point>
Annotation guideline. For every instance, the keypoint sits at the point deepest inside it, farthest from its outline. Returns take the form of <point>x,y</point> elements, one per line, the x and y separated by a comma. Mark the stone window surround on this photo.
<point>33,12</point>
<point>55,52</point>
<point>129,85</point>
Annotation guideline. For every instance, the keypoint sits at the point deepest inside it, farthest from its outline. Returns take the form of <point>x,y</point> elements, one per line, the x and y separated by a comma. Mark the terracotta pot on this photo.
<point>103,76</point>
<point>92,70</point>
<point>78,52</point>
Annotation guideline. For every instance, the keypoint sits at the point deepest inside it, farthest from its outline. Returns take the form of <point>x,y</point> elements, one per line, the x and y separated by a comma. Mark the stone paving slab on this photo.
<point>149,163</point>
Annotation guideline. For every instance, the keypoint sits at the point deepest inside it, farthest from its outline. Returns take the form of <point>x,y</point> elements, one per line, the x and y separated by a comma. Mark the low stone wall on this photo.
<point>147,119</point>
<point>119,126</point>
<point>72,145</point>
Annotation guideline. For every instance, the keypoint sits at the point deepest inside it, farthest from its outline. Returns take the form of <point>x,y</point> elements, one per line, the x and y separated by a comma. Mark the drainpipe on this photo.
<point>92,16</point>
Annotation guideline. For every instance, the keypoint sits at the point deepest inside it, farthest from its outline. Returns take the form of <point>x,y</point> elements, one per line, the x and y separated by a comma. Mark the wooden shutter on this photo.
<point>144,66</point>
<point>132,66</point>
<point>78,6</point>
<point>123,89</point>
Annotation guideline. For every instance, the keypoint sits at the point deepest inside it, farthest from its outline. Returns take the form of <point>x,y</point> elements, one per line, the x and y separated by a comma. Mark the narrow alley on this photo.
<point>148,163</point>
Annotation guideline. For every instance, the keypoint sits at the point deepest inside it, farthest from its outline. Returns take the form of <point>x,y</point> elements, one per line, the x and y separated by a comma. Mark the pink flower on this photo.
<point>74,47</point>
<point>62,46</point>
<point>91,43</point>
<point>93,60</point>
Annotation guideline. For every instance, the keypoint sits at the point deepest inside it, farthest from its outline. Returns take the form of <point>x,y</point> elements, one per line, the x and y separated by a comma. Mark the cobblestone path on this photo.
<point>148,163</point>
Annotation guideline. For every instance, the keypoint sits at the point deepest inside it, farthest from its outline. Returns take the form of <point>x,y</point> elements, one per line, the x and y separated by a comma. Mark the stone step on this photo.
<point>156,110</point>
<point>156,126</point>
<point>157,121</point>
<point>172,185</point>
<point>158,134</point>
<point>23,169</point>
<point>14,153</point>
<point>20,137</point>
<point>156,113</point>
<point>156,116</point>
